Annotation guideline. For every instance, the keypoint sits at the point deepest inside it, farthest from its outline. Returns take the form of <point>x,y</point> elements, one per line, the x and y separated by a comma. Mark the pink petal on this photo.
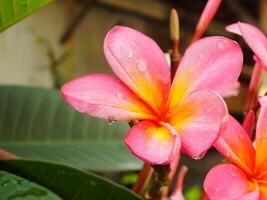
<point>207,15</point>
<point>254,195</point>
<point>198,120</point>
<point>248,123</point>
<point>234,28</point>
<point>177,193</point>
<point>254,37</point>
<point>153,143</point>
<point>226,181</point>
<point>139,62</point>
<point>261,135</point>
<point>232,91</point>
<point>235,144</point>
<point>177,196</point>
<point>212,62</point>
<point>104,96</point>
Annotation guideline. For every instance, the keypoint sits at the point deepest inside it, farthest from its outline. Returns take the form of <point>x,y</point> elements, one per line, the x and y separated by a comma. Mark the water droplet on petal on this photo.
<point>141,65</point>
<point>232,174</point>
<point>221,44</point>
<point>200,156</point>
<point>119,96</point>
<point>214,68</point>
<point>217,189</point>
<point>164,79</point>
<point>130,54</point>
<point>110,120</point>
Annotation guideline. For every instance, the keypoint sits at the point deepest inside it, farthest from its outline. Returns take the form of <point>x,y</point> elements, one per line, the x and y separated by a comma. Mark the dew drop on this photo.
<point>165,79</point>
<point>110,120</point>
<point>221,44</point>
<point>142,65</point>
<point>232,174</point>
<point>130,54</point>
<point>214,68</point>
<point>217,189</point>
<point>119,96</point>
<point>200,156</point>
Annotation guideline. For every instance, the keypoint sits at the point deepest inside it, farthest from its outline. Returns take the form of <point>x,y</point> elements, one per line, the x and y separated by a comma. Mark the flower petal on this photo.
<point>198,120</point>
<point>155,144</point>
<point>212,62</point>
<point>139,62</point>
<point>207,15</point>
<point>104,96</point>
<point>248,123</point>
<point>261,135</point>
<point>254,195</point>
<point>226,181</point>
<point>235,144</point>
<point>254,37</point>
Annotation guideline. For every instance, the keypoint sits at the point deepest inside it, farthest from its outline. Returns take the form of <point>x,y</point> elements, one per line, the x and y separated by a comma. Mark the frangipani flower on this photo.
<point>245,177</point>
<point>255,39</point>
<point>185,114</point>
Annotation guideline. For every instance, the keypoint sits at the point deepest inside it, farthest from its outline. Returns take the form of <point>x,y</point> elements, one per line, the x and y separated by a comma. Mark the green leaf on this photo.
<point>14,187</point>
<point>11,11</point>
<point>37,123</point>
<point>68,182</point>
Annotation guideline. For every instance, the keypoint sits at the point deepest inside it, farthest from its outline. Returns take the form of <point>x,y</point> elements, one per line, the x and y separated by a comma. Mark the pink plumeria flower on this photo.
<point>184,115</point>
<point>255,39</point>
<point>245,177</point>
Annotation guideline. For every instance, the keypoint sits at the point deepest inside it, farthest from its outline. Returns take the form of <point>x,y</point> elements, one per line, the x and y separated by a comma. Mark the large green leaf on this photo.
<point>37,123</point>
<point>15,187</point>
<point>67,182</point>
<point>11,11</point>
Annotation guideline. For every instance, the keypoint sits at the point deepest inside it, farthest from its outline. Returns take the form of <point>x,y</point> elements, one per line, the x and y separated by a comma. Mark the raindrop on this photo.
<point>130,54</point>
<point>32,192</point>
<point>110,120</point>
<point>217,189</point>
<point>200,156</point>
<point>241,137</point>
<point>214,68</point>
<point>12,181</point>
<point>221,44</point>
<point>92,183</point>
<point>142,65</point>
<point>232,174</point>
<point>119,96</point>
<point>165,79</point>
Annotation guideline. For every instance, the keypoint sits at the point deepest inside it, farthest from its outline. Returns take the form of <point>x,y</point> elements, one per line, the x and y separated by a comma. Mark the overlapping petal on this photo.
<point>254,37</point>
<point>139,62</point>
<point>105,96</point>
<point>261,136</point>
<point>235,144</point>
<point>198,120</point>
<point>212,62</point>
<point>208,13</point>
<point>248,123</point>
<point>153,143</point>
<point>226,181</point>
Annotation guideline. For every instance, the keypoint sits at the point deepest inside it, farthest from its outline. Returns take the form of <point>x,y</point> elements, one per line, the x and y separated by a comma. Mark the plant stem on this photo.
<point>254,86</point>
<point>173,168</point>
<point>174,35</point>
<point>143,178</point>
<point>161,181</point>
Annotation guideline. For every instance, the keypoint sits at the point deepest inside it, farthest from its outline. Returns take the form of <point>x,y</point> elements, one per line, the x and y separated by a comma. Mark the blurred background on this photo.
<point>65,39</point>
